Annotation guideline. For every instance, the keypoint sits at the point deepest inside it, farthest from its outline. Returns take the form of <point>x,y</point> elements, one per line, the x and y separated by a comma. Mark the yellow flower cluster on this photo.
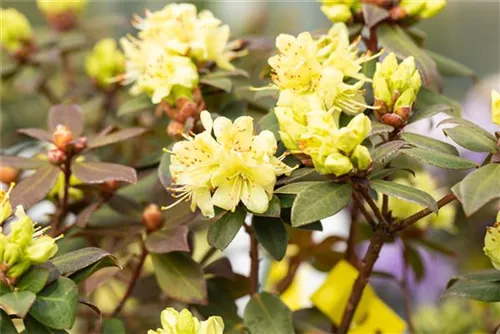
<point>495,107</point>
<point>105,62</point>
<point>402,209</point>
<point>492,243</point>
<point>340,10</point>
<point>25,245</point>
<point>422,8</point>
<point>162,60</point>
<point>234,166</point>
<point>16,30</point>
<point>372,314</point>
<point>174,322</point>
<point>311,75</point>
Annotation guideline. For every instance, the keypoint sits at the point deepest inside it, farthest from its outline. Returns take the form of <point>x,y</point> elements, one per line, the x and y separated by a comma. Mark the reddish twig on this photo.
<point>350,253</point>
<point>293,266</point>
<point>406,295</point>
<point>254,260</point>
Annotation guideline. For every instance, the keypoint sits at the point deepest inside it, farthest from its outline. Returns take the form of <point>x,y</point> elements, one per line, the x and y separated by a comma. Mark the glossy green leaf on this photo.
<point>135,105</point>
<point>6,325</point>
<point>472,126</point>
<point>319,201</point>
<point>379,128</point>
<point>80,259</point>
<point>429,103</point>
<point>17,302</point>
<point>295,188</point>
<point>223,84</point>
<point>484,291</point>
<point>221,303</point>
<point>452,68</point>
<point>266,313</point>
<point>438,159</point>
<point>113,326</point>
<point>55,306</point>
<point>272,235</point>
<point>223,231</point>
<point>296,175</point>
<point>105,262</point>
<point>311,320</point>
<point>234,109</point>
<point>478,188</point>
<point>34,327</point>
<point>428,143</point>
<point>269,122</point>
<point>387,151</point>
<point>33,280</point>
<point>180,277</point>
<point>405,193</point>
<point>471,140</point>
<point>273,210</point>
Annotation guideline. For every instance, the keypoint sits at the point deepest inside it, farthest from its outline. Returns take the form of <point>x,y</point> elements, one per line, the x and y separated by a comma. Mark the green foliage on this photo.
<point>266,313</point>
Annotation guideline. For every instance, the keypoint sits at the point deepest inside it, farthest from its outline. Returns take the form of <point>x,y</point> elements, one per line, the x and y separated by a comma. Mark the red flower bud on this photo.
<point>62,137</point>
<point>57,156</point>
<point>8,174</point>
<point>152,218</point>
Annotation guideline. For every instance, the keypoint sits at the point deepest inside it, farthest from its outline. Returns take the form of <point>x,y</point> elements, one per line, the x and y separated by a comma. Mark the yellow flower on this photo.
<point>444,220</point>
<point>492,243</point>
<point>174,322</point>
<point>55,7</point>
<point>372,314</point>
<point>236,166</point>
<point>105,62</point>
<point>16,30</point>
<point>157,73</point>
<point>340,10</point>
<point>297,66</point>
<point>6,207</point>
<point>182,31</point>
<point>495,107</point>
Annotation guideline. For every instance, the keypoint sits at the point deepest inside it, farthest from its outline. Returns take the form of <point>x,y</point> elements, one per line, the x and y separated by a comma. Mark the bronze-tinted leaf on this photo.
<point>22,163</point>
<point>34,188</point>
<point>168,240</point>
<point>70,115</point>
<point>115,137</point>
<point>99,172</point>
<point>221,268</point>
<point>39,134</point>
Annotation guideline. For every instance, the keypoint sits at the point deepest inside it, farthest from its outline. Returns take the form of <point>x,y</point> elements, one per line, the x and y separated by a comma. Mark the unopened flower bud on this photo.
<point>495,107</point>
<point>361,158</point>
<point>338,164</point>
<point>62,137</point>
<point>79,144</point>
<point>412,7</point>
<point>175,128</point>
<point>22,229</point>
<point>346,139</point>
<point>361,126</point>
<point>41,249</point>
<point>57,156</point>
<point>492,244</point>
<point>393,120</point>
<point>62,15</point>
<point>18,269</point>
<point>6,207</point>
<point>105,63</point>
<point>337,12</point>
<point>12,254</point>
<point>109,186</point>
<point>152,217</point>
<point>432,8</point>
<point>16,30</point>
<point>8,174</point>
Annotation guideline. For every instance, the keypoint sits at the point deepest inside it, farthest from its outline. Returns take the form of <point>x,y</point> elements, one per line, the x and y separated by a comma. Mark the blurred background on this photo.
<point>467,31</point>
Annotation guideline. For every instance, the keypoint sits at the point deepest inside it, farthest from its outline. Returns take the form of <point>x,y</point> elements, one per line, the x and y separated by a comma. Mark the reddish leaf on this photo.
<point>115,137</point>
<point>168,240</point>
<point>99,172</point>
<point>22,163</point>
<point>221,268</point>
<point>34,188</point>
<point>84,216</point>
<point>39,134</point>
<point>70,115</point>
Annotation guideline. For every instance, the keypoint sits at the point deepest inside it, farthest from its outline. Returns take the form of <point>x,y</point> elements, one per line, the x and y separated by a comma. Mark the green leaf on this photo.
<point>17,302</point>
<point>33,189</point>
<point>271,234</point>
<point>380,174</point>
<point>55,306</point>
<point>273,210</point>
<point>478,188</point>
<point>490,275</point>
<point>135,105</point>
<point>394,39</point>
<point>440,160</point>
<point>100,172</point>
<point>34,327</point>
<point>223,231</point>
<point>484,291</point>
<point>428,143</point>
<point>234,109</point>
<point>295,188</point>
<point>269,122</point>
<point>430,103</point>
<point>180,277</point>
<point>405,193</point>
<point>379,128</point>
<point>319,201</point>
<point>80,259</point>
<point>223,84</point>
<point>6,325</point>
<point>472,126</point>
<point>106,262</point>
<point>115,137</point>
<point>221,303</point>
<point>170,239</point>
<point>387,151</point>
<point>296,175</point>
<point>452,68</point>
<point>266,313</point>
<point>414,260</point>
<point>435,247</point>
<point>471,140</point>
<point>311,320</point>
<point>33,280</point>
<point>113,326</point>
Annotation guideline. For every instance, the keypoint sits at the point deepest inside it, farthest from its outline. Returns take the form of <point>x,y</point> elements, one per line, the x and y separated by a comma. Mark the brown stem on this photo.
<point>254,260</point>
<point>406,296</point>
<point>377,241</point>
<point>351,241</point>
<point>62,207</point>
<point>46,91</point>
<point>363,210</point>
<point>423,213</point>
<point>133,281</point>
<point>373,205</point>
<point>373,40</point>
<point>293,266</point>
